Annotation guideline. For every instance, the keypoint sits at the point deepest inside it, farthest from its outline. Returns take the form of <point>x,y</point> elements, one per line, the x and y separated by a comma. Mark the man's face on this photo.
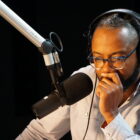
<point>114,42</point>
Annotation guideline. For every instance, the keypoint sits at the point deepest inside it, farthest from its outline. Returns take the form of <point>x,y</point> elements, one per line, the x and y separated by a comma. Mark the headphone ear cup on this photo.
<point>138,53</point>
<point>88,43</point>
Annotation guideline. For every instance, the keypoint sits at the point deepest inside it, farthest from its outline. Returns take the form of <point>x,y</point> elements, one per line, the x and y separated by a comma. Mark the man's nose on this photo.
<point>107,68</point>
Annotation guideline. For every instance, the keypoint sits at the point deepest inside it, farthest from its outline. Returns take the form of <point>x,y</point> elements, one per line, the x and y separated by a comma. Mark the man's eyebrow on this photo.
<point>96,52</point>
<point>118,52</point>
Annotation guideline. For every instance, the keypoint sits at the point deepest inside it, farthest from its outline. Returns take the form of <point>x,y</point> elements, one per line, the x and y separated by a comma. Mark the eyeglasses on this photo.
<point>114,62</point>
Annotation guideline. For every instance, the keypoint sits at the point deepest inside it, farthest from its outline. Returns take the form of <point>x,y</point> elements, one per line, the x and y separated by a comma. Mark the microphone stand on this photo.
<point>45,46</point>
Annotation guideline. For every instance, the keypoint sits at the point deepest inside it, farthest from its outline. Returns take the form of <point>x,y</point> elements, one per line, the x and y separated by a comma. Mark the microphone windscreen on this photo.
<point>77,87</point>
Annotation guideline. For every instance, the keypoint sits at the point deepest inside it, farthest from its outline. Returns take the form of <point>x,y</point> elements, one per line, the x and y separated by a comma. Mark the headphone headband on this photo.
<point>123,11</point>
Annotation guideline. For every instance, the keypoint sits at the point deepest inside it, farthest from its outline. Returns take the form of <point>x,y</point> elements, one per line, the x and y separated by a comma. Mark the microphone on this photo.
<point>75,88</point>
<point>45,46</point>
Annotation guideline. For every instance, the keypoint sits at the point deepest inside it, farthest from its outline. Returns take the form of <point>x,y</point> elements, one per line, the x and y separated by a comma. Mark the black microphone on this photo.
<point>75,88</point>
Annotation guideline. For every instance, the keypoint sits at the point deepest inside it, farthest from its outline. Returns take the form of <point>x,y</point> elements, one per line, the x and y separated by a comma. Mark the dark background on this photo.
<point>24,77</point>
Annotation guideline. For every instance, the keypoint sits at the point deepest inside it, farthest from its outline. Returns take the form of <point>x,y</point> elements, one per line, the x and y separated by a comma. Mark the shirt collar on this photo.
<point>137,90</point>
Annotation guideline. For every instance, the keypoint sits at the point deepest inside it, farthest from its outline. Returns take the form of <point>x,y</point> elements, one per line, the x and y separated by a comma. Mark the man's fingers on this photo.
<point>107,81</point>
<point>105,85</point>
<point>114,76</point>
<point>98,94</point>
<point>100,90</point>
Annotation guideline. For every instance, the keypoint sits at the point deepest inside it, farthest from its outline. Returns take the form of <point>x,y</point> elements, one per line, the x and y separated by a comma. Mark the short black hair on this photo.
<point>119,20</point>
<point>112,20</point>
<point>115,21</point>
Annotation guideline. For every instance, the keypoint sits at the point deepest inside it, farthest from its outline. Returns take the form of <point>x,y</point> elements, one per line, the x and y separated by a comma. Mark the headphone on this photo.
<point>133,17</point>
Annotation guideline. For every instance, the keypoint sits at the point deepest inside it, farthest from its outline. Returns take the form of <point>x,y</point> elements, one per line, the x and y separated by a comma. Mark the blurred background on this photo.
<point>23,76</point>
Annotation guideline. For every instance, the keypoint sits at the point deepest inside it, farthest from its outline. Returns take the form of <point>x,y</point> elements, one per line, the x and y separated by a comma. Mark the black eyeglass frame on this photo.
<point>92,58</point>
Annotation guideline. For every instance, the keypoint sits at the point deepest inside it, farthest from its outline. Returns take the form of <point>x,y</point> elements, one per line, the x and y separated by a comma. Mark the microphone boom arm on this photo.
<point>11,17</point>
<point>45,46</point>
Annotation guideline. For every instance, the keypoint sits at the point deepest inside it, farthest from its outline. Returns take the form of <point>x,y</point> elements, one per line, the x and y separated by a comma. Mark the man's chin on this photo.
<point>131,80</point>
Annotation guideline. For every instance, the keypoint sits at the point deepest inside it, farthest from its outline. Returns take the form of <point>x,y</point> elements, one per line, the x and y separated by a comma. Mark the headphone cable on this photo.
<point>90,109</point>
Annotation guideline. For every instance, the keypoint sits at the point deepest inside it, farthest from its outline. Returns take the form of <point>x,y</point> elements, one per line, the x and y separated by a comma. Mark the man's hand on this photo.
<point>110,92</point>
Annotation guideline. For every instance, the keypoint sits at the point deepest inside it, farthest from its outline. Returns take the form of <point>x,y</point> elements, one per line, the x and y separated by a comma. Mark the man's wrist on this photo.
<point>109,116</point>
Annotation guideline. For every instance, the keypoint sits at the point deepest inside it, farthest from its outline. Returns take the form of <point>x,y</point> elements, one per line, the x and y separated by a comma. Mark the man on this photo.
<point>113,113</point>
